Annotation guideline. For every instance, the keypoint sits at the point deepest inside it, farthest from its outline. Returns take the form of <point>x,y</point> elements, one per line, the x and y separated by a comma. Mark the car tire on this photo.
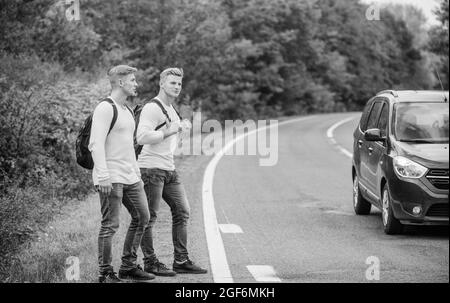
<point>360,205</point>
<point>391,225</point>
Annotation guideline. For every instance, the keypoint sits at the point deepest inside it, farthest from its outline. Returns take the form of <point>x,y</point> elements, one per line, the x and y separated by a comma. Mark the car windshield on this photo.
<point>421,122</point>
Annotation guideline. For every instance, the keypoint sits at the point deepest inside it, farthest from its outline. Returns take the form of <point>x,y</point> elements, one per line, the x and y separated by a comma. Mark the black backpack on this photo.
<point>84,157</point>
<point>137,116</point>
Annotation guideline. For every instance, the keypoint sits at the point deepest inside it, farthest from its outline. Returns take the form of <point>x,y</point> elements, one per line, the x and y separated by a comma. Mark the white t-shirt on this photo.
<point>113,154</point>
<point>156,152</point>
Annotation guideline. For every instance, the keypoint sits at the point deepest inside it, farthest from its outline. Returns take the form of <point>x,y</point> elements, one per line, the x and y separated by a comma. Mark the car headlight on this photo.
<point>407,168</point>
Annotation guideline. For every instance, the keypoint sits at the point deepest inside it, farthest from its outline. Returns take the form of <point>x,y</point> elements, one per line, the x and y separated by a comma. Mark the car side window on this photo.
<point>365,115</point>
<point>384,118</point>
<point>374,114</point>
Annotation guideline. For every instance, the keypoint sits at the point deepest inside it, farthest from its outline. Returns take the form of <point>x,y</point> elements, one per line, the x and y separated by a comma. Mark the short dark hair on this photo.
<point>174,71</point>
<point>121,70</point>
<point>118,71</point>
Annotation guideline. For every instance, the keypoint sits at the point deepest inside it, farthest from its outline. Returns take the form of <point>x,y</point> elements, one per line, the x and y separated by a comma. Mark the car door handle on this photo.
<point>360,143</point>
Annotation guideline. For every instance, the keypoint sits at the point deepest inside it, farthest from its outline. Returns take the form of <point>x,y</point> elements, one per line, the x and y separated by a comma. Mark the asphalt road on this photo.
<point>297,217</point>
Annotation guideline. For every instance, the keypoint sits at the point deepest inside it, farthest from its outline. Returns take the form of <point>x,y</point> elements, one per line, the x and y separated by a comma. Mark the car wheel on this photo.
<point>360,205</point>
<point>391,225</point>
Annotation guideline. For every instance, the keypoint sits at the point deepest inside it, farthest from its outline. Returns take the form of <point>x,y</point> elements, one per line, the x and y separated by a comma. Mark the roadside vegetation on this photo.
<point>242,60</point>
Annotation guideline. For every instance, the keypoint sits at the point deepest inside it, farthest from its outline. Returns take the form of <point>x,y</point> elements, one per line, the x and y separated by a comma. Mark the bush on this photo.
<point>42,110</point>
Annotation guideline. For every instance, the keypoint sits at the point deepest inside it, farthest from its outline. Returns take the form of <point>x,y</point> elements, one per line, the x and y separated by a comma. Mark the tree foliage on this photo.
<point>439,41</point>
<point>242,60</point>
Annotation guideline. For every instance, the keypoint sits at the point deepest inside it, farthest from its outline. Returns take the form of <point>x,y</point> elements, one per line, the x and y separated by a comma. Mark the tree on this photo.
<point>439,41</point>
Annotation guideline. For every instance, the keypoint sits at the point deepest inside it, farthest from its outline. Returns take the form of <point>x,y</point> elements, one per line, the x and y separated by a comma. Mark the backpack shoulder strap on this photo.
<point>114,119</point>
<point>164,110</point>
<point>132,113</point>
<point>154,100</point>
<point>179,116</point>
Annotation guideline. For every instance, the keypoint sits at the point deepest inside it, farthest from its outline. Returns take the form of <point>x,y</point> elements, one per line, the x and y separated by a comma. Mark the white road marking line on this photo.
<point>263,273</point>
<point>336,125</point>
<point>344,151</point>
<point>330,135</point>
<point>230,229</point>
<point>217,257</point>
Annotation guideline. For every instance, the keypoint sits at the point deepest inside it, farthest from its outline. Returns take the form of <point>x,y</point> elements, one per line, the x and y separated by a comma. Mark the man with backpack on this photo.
<point>117,177</point>
<point>157,130</point>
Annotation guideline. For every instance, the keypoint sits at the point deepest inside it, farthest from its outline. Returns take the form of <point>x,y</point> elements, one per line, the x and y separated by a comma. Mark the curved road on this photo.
<point>297,219</point>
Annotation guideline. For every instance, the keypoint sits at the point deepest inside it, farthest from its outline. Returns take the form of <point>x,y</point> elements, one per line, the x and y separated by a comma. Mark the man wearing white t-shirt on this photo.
<point>117,177</point>
<point>161,180</point>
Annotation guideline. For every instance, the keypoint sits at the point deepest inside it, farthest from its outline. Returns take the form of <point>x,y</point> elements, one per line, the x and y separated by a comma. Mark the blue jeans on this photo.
<point>133,198</point>
<point>162,184</point>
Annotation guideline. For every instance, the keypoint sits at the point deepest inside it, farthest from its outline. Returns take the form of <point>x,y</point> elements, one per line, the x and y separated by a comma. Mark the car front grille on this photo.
<point>439,178</point>
<point>438,210</point>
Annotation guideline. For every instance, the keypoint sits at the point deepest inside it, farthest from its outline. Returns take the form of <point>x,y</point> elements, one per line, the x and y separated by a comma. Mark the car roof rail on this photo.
<point>388,91</point>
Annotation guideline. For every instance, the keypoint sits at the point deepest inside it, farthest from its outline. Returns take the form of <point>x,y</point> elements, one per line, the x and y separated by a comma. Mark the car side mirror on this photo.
<point>374,134</point>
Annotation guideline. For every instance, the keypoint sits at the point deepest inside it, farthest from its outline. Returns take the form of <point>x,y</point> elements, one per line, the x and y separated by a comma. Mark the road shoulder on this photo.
<point>73,233</point>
